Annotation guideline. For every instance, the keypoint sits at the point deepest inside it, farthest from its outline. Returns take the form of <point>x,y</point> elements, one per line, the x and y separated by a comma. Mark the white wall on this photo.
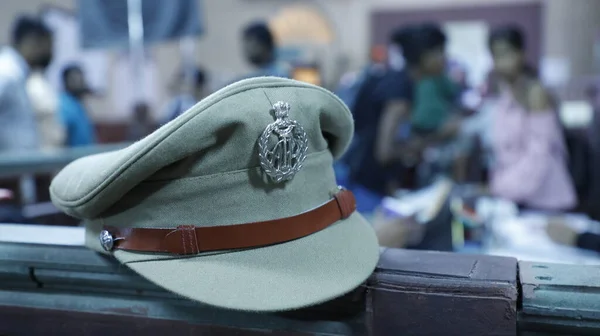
<point>571,29</point>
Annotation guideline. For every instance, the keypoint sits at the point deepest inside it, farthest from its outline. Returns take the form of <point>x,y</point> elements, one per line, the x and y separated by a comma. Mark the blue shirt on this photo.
<point>80,130</point>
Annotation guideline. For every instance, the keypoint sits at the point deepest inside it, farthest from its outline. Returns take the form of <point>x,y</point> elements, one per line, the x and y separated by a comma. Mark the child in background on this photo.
<point>434,102</point>
<point>434,123</point>
<point>434,92</point>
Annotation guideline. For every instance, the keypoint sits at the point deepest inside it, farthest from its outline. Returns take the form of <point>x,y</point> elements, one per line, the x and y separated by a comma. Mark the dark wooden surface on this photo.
<point>60,290</point>
<point>50,290</point>
<point>428,293</point>
<point>112,132</point>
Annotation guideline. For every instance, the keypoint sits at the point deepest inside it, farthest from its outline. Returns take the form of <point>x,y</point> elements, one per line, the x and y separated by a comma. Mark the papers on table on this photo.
<point>525,238</point>
<point>424,204</point>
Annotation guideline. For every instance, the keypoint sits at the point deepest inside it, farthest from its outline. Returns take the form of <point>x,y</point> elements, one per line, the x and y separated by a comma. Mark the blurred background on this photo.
<point>477,121</point>
<point>336,36</point>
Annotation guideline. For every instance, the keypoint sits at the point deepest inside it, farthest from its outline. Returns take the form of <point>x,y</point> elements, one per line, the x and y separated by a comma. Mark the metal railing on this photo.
<point>14,164</point>
<point>25,165</point>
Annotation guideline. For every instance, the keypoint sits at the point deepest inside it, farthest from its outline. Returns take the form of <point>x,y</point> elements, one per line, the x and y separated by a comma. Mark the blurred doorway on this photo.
<point>305,37</point>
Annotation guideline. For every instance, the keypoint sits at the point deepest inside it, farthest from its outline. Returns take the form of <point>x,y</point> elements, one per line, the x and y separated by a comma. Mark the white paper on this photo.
<point>423,203</point>
<point>525,238</point>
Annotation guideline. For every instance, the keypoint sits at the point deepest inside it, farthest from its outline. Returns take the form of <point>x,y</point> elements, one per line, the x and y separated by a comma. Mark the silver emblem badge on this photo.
<point>106,240</point>
<point>282,146</point>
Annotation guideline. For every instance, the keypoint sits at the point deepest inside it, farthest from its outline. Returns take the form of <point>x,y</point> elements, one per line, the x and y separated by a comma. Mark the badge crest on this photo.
<point>282,146</point>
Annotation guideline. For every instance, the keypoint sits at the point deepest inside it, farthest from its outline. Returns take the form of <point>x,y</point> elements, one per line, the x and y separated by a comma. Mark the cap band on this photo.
<point>185,239</point>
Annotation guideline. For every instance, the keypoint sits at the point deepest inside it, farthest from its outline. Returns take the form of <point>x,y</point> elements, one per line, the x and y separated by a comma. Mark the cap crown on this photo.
<point>204,167</point>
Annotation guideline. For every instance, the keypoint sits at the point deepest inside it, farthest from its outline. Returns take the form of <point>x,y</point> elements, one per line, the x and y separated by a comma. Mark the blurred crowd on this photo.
<point>37,115</point>
<point>416,118</point>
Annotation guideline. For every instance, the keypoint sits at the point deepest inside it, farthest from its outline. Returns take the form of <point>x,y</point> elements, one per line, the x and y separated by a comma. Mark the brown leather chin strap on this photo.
<point>188,239</point>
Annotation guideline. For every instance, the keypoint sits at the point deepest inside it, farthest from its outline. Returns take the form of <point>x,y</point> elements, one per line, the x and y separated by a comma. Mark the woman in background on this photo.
<point>528,146</point>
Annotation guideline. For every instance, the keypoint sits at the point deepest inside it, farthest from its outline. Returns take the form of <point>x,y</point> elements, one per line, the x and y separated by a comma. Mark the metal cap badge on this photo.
<point>282,146</point>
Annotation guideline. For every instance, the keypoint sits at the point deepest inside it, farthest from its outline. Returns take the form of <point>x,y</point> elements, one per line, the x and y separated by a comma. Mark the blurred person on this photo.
<point>259,49</point>
<point>435,93</point>
<point>351,82</point>
<point>186,95</point>
<point>438,103</point>
<point>383,115</point>
<point>592,176</point>
<point>142,123</point>
<point>45,100</point>
<point>31,48</point>
<point>422,109</point>
<point>432,120</point>
<point>364,176</point>
<point>368,178</point>
<point>45,103</point>
<point>75,118</point>
<point>351,86</point>
<point>528,146</point>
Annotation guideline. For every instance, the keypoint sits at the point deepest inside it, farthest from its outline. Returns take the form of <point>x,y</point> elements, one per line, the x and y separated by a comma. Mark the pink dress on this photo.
<point>529,158</point>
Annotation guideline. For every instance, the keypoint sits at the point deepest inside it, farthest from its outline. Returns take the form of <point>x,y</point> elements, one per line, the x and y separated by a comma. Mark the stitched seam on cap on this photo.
<point>234,89</point>
<point>233,172</point>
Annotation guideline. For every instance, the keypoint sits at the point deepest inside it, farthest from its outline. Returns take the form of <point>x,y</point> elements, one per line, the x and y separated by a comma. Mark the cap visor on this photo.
<point>292,275</point>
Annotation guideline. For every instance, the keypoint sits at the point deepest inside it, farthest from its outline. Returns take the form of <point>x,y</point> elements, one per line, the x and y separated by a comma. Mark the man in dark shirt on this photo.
<point>386,109</point>
<point>381,112</point>
<point>369,179</point>
<point>395,87</point>
<point>260,51</point>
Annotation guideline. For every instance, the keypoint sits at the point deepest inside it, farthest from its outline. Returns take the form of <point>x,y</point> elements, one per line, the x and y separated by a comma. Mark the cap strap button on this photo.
<point>107,240</point>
